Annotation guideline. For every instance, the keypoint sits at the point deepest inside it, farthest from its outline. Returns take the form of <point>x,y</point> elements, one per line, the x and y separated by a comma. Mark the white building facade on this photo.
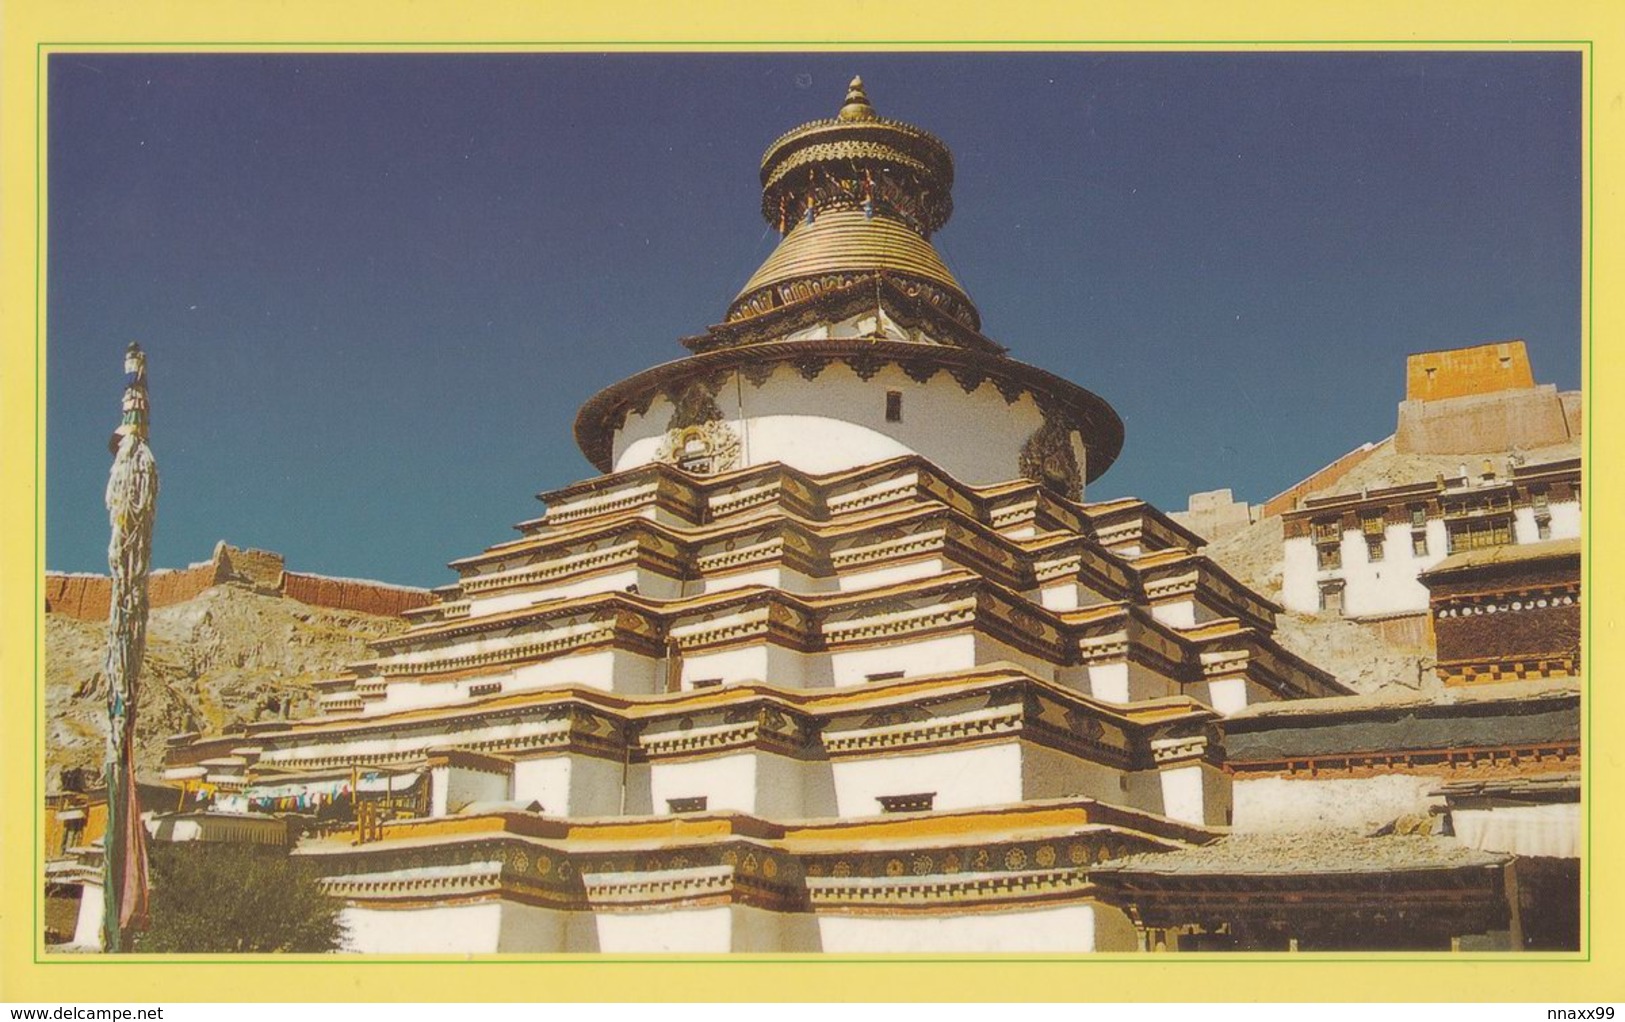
<point>1359,555</point>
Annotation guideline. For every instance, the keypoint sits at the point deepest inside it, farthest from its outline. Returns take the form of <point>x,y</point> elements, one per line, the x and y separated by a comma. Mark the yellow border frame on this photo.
<point>1594,28</point>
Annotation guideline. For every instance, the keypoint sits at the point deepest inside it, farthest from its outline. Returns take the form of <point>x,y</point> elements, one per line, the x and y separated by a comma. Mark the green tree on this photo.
<point>211,898</point>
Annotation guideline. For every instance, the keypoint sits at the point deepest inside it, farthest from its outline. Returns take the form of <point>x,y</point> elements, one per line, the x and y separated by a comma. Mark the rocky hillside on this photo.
<point>230,654</point>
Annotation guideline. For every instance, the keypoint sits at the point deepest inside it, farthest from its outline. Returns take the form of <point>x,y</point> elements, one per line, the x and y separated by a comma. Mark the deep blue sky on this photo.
<point>375,288</point>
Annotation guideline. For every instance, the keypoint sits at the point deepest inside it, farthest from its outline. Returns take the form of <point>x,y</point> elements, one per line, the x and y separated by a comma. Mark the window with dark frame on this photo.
<point>1331,598</point>
<point>73,831</point>
<point>894,406</point>
<point>693,804</point>
<point>1329,556</point>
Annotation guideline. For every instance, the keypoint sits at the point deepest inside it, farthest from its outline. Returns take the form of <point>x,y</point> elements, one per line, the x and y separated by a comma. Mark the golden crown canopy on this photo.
<point>855,195</point>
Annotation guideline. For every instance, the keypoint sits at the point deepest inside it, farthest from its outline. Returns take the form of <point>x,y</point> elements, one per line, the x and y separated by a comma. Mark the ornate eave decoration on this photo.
<point>1048,458</point>
<point>1092,417</point>
<point>913,304</point>
<point>889,167</point>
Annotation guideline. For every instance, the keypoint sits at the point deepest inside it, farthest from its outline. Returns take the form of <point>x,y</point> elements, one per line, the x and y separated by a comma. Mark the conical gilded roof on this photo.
<point>843,240</point>
<point>854,195</point>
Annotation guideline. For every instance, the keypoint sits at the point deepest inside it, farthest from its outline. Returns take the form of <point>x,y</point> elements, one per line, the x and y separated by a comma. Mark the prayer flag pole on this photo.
<point>132,499</point>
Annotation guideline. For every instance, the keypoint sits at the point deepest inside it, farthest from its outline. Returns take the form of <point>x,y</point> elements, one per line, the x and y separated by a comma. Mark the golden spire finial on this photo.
<point>857,107</point>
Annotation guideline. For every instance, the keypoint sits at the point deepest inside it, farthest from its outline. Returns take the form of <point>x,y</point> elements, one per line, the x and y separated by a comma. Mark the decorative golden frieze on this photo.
<point>979,724</point>
<point>965,889</point>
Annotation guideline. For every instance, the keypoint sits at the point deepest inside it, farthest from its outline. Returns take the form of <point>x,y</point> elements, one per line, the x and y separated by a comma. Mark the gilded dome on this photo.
<point>842,244</point>
<point>854,195</point>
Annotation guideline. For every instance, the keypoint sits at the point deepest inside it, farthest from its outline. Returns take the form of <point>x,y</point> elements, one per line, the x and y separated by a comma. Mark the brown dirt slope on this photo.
<point>228,655</point>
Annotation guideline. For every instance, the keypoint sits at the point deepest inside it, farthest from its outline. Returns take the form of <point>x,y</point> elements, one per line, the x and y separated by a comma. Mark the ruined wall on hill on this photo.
<point>87,597</point>
<point>349,594</point>
<point>165,588</point>
<point>1214,514</point>
<point>262,568</point>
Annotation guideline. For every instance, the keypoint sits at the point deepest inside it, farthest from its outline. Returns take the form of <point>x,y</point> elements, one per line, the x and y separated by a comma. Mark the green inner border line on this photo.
<point>978,45</point>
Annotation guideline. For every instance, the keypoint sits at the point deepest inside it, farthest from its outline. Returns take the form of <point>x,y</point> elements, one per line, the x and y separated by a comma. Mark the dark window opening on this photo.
<point>705,683</point>
<point>1331,598</point>
<point>894,406</point>
<point>695,804</point>
<point>883,676</point>
<point>1329,557</point>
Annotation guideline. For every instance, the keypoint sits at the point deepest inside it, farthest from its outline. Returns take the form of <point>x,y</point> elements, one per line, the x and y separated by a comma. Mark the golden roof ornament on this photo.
<point>857,106</point>
<point>855,195</point>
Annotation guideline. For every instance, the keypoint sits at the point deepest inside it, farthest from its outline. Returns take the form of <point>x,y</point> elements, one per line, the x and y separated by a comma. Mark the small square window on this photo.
<point>1419,545</point>
<point>1373,548</point>
<point>694,804</point>
<point>1329,557</point>
<point>1419,517</point>
<point>894,406</point>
